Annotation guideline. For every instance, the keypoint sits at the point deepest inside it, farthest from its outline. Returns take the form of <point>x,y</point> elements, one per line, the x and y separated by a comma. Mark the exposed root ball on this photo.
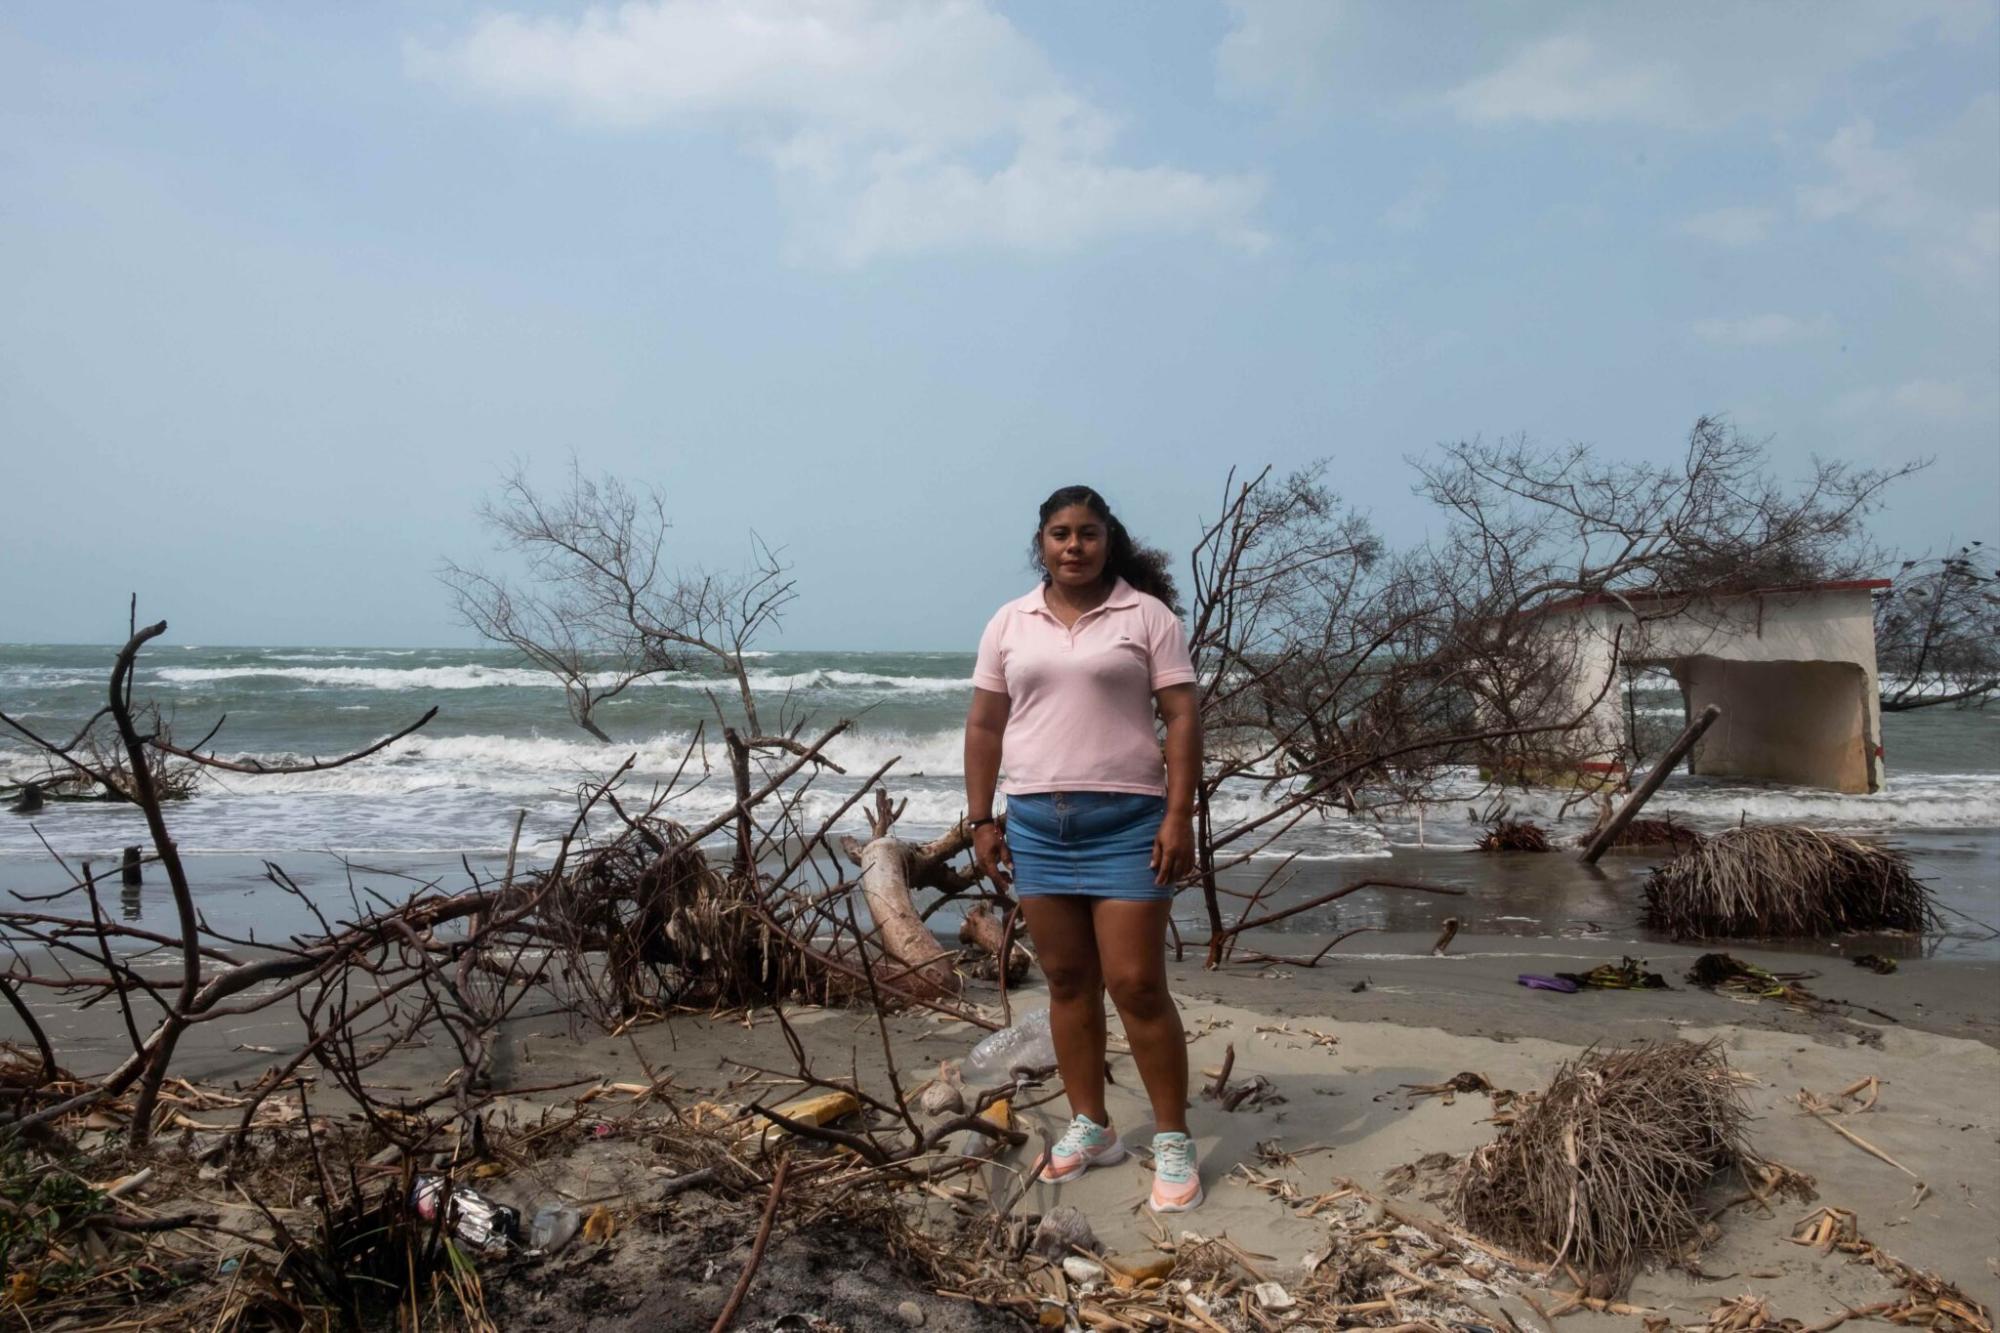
<point>1607,1167</point>
<point>1782,881</point>
<point>670,928</point>
<point>1514,835</point>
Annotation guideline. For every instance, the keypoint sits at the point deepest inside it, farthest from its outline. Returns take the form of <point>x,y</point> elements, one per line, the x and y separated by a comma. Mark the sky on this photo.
<point>286,289</point>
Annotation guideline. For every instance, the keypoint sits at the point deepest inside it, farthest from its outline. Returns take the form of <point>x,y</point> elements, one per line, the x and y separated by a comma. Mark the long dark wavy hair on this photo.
<point>1144,567</point>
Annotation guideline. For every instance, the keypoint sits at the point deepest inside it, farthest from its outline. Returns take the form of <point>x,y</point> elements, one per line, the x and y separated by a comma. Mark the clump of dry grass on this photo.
<point>1781,881</point>
<point>1607,1167</point>
<point>1514,835</point>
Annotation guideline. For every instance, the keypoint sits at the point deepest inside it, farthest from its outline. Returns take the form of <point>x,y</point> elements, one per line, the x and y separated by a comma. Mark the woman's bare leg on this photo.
<point>1132,953</point>
<point>1066,945</point>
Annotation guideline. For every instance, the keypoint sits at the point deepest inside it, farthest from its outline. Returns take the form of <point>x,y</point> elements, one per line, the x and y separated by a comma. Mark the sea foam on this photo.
<point>476,676</point>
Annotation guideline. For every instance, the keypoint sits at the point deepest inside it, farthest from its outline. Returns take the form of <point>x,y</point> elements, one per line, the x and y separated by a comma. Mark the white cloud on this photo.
<point>1736,226</point>
<point>895,125</point>
<point>1284,50</point>
<point>1688,65</point>
<point>1038,204</point>
<point>1566,77</point>
<point>1761,330</point>
<point>1413,210</point>
<point>1939,402</point>
<point>1868,180</point>
<point>1940,191</point>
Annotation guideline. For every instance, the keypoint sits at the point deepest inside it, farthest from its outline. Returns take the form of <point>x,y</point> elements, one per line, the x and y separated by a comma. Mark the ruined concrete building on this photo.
<point>1793,670</point>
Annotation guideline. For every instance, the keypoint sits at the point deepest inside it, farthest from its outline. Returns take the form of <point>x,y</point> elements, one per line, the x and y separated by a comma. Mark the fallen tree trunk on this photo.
<point>890,868</point>
<point>885,885</point>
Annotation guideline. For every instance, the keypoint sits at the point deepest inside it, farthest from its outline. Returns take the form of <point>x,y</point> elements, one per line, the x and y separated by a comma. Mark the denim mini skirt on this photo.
<point>1093,844</point>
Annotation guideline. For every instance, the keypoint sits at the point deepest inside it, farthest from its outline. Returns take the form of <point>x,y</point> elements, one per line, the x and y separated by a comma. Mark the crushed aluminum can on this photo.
<point>472,1217</point>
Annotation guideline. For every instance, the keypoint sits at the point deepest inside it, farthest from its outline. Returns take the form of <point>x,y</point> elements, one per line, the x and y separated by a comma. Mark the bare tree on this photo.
<point>1336,674</point>
<point>1555,522</point>
<point>1937,631</point>
<point>1332,675</point>
<point>600,609</point>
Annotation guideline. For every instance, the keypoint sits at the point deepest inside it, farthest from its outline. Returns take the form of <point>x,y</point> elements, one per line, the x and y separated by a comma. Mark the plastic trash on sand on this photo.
<point>553,1226</point>
<point>1026,1045</point>
<point>1533,982</point>
<point>470,1215</point>
<point>819,1109</point>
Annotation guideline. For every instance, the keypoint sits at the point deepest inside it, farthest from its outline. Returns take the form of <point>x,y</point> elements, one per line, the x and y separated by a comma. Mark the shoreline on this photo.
<point>1512,895</point>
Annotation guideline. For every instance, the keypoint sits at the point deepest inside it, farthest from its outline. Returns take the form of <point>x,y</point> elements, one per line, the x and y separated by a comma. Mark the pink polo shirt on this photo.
<point>1080,714</point>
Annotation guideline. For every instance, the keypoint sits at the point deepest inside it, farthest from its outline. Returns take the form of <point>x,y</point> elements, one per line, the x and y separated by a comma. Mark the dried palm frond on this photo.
<point>1607,1167</point>
<point>1651,833</point>
<point>1514,835</point>
<point>1782,881</point>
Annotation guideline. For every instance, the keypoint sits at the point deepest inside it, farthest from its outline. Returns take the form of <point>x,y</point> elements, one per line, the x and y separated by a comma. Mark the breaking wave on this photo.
<point>476,676</point>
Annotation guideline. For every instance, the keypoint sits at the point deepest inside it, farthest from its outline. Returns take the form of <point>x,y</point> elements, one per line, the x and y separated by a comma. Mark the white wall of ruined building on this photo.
<point>1818,726</point>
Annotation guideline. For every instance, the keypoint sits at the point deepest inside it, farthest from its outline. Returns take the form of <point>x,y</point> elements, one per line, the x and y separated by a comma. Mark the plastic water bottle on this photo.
<point>1026,1045</point>
<point>553,1226</point>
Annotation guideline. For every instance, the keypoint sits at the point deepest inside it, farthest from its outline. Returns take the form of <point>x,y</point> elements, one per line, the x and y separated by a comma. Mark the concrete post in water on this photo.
<point>1682,744</point>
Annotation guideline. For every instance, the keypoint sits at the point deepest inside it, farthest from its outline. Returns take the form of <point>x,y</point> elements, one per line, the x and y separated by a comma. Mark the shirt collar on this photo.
<point>1122,595</point>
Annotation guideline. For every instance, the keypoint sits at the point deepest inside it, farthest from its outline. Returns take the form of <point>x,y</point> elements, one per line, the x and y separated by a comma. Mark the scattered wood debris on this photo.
<point>1256,1092</point>
<point>1457,1083</point>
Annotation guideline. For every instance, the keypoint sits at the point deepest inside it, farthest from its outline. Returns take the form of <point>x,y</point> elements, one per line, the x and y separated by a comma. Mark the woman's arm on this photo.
<point>1173,849</point>
<point>985,725</point>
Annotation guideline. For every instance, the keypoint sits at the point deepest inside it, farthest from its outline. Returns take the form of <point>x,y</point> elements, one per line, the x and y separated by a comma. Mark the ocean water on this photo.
<point>502,742</point>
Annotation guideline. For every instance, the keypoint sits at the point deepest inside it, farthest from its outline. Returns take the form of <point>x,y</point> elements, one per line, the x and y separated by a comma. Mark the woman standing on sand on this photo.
<point>1099,830</point>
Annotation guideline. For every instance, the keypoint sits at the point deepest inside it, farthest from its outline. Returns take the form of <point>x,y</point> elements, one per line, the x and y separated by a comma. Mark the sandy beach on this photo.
<point>1340,1046</point>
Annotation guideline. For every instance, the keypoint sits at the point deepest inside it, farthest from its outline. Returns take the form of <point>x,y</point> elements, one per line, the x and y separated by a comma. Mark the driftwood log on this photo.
<point>890,869</point>
<point>984,931</point>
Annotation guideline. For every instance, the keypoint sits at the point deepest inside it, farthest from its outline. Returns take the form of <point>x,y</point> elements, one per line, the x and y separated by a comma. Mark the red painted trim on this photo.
<point>1605,599</point>
<point>1601,766</point>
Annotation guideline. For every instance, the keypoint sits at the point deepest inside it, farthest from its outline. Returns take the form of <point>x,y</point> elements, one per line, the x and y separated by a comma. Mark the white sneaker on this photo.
<point>1176,1178</point>
<point>1083,1145</point>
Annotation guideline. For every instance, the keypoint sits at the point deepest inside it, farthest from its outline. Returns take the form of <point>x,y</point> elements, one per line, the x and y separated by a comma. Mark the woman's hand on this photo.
<point>990,854</point>
<point>1173,849</point>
